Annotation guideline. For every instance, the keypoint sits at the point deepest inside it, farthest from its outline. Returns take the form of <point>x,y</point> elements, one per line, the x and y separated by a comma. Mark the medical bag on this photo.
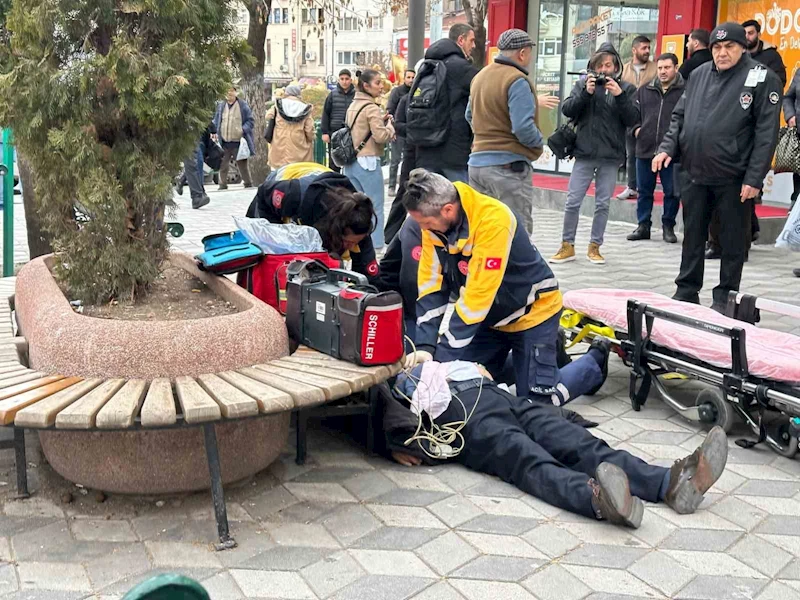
<point>228,253</point>
<point>267,280</point>
<point>336,312</point>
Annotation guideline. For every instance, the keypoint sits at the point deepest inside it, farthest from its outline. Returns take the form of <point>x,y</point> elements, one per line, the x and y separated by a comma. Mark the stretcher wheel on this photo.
<point>781,432</point>
<point>714,409</point>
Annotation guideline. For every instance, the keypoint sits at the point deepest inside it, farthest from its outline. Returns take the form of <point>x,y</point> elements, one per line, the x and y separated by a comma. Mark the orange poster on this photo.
<point>780,25</point>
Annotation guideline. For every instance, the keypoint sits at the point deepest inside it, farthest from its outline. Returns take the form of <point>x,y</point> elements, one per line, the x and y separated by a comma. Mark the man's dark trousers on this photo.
<point>524,443</point>
<point>398,145</point>
<point>646,180</point>
<point>630,164</point>
<point>699,202</point>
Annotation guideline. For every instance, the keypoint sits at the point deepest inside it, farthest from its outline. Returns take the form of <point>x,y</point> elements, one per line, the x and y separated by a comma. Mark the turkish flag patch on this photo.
<point>277,199</point>
<point>372,268</point>
<point>416,253</point>
<point>494,264</point>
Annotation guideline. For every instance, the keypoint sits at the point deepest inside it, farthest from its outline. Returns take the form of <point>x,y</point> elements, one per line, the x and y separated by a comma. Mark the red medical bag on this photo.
<point>267,280</point>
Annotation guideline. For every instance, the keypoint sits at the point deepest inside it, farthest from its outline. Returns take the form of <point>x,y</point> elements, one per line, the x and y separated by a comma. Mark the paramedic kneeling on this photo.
<point>507,297</point>
<point>311,194</point>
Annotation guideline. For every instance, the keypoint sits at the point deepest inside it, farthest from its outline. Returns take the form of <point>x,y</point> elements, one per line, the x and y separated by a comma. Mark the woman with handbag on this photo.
<point>791,109</point>
<point>366,122</point>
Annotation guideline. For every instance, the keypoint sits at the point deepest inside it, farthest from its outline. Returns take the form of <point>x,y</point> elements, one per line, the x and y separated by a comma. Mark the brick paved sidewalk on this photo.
<point>350,527</point>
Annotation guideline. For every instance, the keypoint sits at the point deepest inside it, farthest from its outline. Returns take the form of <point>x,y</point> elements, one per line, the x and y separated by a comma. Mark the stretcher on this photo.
<point>753,373</point>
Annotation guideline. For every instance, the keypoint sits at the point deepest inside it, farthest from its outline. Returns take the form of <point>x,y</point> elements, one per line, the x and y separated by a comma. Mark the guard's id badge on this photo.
<point>755,76</point>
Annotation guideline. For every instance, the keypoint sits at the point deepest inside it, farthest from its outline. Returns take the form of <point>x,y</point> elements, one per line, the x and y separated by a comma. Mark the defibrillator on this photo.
<point>338,313</point>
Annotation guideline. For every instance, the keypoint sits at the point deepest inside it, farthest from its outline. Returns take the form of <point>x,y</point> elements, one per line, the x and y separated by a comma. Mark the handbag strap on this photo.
<point>360,147</point>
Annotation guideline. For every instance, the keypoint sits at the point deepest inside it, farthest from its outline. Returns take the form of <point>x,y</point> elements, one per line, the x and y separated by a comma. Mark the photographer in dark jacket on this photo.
<point>725,128</point>
<point>602,106</point>
<point>450,159</point>
<point>656,102</point>
<point>335,110</point>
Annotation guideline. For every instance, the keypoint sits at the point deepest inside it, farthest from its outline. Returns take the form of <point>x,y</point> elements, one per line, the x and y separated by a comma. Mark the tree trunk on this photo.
<point>255,95</point>
<point>475,11</point>
<point>257,35</point>
<point>38,241</point>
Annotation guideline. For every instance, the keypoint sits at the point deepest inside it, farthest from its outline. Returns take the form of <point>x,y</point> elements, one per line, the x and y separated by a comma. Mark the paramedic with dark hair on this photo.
<point>473,248</point>
<point>311,194</point>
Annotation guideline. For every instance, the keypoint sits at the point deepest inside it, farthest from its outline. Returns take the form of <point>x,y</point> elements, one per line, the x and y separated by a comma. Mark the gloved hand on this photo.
<point>417,358</point>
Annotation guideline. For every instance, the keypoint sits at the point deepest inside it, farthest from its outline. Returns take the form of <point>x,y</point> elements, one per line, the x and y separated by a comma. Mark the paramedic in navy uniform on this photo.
<point>724,129</point>
<point>473,248</point>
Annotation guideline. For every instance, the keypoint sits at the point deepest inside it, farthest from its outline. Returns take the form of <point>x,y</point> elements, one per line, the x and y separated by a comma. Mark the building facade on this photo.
<point>301,44</point>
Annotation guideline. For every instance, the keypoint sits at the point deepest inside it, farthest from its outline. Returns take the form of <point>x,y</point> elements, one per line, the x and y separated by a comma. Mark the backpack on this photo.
<point>343,150</point>
<point>428,106</point>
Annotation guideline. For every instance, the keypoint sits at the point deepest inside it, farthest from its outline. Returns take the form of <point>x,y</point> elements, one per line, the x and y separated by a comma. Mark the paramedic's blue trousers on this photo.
<point>536,371</point>
<point>525,444</point>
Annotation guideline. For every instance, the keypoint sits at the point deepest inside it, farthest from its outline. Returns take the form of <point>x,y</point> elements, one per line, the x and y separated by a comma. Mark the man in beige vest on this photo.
<point>502,113</point>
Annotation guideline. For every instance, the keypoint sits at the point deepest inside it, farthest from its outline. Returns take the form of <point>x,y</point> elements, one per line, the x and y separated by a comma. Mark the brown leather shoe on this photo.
<point>611,498</point>
<point>691,477</point>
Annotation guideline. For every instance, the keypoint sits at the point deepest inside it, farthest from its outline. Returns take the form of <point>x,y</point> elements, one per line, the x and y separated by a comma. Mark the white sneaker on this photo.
<point>628,194</point>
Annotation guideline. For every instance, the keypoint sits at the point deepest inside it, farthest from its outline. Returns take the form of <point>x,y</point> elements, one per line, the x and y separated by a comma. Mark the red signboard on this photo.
<point>402,46</point>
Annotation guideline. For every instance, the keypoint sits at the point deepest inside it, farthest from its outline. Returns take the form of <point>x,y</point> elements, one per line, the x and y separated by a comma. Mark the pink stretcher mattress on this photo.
<point>770,354</point>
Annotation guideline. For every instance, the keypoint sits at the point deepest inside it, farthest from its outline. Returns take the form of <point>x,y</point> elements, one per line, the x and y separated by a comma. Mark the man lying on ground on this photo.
<point>525,443</point>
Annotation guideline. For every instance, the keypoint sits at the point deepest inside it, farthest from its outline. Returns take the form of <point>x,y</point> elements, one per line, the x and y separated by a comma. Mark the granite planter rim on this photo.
<point>64,342</point>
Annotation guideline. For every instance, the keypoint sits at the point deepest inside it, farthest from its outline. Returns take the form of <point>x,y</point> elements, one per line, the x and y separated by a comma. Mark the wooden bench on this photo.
<point>305,382</point>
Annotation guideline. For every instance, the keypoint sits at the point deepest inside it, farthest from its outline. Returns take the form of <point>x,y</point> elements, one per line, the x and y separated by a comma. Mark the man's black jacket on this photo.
<point>397,94</point>
<point>768,55</point>
<point>700,57</point>
<point>723,130</point>
<point>655,114</point>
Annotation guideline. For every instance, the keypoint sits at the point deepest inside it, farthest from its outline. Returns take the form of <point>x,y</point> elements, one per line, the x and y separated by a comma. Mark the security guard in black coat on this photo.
<point>724,129</point>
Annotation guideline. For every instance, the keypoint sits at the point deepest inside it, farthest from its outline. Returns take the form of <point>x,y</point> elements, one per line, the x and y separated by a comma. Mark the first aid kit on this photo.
<point>336,312</point>
<point>227,253</point>
<point>267,280</point>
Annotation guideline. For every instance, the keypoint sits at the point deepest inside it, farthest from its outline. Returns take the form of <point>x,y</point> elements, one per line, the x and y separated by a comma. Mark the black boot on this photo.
<point>713,253</point>
<point>669,234</point>
<point>796,272</point>
<point>604,347</point>
<point>642,232</point>
<point>181,183</point>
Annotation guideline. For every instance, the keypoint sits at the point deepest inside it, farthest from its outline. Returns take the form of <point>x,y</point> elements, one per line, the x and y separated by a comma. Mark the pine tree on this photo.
<point>106,97</point>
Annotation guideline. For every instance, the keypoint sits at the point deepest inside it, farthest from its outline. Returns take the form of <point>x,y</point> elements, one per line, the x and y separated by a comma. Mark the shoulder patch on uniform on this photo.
<point>372,268</point>
<point>463,267</point>
<point>416,253</point>
<point>774,97</point>
<point>745,100</point>
<point>277,199</point>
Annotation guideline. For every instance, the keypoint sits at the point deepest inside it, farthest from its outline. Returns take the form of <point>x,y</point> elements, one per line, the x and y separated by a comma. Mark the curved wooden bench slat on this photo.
<point>358,382</point>
<point>10,407</point>
<point>7,384</point>
<point>307,359</point>
<point>121,410</point>
<point>159,405</point>
<point>304,395</point>
<point>196,404</point>
<point>233,403</point>
<point>10,367</point>
<point>43,413</point>
<point>382,371</point>
<point>28,384</point>
<point>81,414</point>
<point>332,388</point>
<point>9,363</point>
<point>270,400</point>
<point>14,372</point>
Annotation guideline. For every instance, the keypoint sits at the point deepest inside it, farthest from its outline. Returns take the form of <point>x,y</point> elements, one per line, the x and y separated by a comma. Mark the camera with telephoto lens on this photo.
<point>600,79</point>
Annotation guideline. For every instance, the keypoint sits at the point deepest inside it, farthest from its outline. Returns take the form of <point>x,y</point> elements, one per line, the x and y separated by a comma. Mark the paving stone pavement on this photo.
<point>347,526</point>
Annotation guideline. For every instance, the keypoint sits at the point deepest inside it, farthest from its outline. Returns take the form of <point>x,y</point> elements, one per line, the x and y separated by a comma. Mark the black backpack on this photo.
<point>429,106</point>
<point>343,150</point>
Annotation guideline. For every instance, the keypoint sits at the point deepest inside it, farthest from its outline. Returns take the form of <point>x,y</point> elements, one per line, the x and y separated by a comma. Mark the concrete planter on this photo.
<point>156,461</point>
